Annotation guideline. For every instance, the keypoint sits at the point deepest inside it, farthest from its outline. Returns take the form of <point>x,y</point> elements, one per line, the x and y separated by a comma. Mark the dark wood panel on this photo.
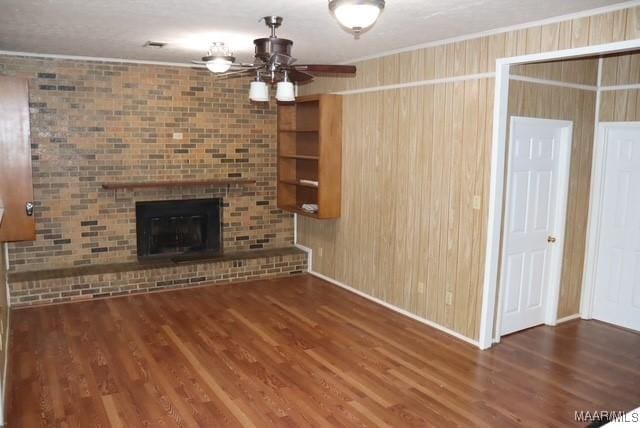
<point>16,188</point>
<point>300,352</point>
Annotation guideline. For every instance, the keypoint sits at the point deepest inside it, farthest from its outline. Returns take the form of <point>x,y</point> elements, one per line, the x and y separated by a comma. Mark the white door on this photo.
<point>617,276</point>
<point>537,184</point>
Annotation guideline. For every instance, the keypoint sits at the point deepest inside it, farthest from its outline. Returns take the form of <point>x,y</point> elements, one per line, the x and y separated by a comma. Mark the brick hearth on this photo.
<point>99,281</point>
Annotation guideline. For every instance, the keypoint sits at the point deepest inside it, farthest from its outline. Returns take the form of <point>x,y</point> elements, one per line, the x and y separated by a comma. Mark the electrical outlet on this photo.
<point>477,202</point>
<point>449,298</point>
<point>421,288</point>
<point>177,135</point>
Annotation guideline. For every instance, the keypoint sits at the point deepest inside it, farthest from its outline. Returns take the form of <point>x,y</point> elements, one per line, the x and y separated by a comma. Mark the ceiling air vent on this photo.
<point>154,45</point>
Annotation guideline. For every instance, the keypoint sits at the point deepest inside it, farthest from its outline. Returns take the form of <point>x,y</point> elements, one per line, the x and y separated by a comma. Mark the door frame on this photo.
<point>552,294</point>
<point>595,216</point>
<point>497,172</point>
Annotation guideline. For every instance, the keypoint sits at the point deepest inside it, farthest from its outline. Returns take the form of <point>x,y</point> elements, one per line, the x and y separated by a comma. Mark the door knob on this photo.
<point>551,239</point>
<point>29,208</point>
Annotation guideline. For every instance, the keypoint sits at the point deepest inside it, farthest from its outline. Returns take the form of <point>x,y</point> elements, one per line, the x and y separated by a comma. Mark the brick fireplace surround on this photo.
<point>96,122</point>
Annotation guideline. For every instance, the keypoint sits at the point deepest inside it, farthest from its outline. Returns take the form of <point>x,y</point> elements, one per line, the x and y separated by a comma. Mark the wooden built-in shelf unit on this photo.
<point>310,148</point>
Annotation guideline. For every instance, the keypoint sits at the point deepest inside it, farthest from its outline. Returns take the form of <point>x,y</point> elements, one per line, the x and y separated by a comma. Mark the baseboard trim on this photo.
<point>567,318</point>
<point>397,309</point>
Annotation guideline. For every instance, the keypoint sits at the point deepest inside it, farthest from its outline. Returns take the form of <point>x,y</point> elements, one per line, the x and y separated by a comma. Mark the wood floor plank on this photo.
<point>300,352</point>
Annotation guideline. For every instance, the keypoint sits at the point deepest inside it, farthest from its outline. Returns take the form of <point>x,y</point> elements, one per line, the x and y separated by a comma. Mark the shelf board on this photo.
<point>296,183</point>
<point>300,211</point>
<point>181,183</point>
<point>305,157</point>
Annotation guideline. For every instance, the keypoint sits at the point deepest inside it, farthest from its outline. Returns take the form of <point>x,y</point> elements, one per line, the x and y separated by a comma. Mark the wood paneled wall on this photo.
<point>621,69</point>
<point>408,216</point>
<point>413,161</point>
<point>552,102</point>
<point>581,71</point>
<point>620,105</point>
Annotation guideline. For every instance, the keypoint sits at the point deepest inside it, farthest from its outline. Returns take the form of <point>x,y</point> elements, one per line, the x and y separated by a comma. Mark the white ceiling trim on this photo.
<point>97,59</point>
<point>553,20</point>
<point>541,22</point>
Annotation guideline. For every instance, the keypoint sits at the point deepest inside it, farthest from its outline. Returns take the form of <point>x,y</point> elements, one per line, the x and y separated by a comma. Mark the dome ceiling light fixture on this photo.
<point>356,15</point>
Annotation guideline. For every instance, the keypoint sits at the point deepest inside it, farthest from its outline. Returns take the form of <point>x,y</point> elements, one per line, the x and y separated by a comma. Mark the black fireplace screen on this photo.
<point>179,227</point>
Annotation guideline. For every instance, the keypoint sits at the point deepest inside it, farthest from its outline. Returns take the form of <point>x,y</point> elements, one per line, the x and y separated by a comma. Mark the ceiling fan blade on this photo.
<point>281,59</point>
<point>299,76</point>
<point>233,73</point>
<point>325,68</point>
<point>236,66</point>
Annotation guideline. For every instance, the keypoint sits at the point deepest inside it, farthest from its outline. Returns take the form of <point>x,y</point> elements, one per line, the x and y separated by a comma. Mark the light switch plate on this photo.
<point>477,202</point>
<point>177,135</point>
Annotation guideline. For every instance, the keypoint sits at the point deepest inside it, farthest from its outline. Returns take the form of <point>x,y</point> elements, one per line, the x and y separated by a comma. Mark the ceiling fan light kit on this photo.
<point>259,92</point>
<point>285,92</point>
<point>273,65</point>
<point>220,64</point>
<point>356,15</point>
<point>218,59</point>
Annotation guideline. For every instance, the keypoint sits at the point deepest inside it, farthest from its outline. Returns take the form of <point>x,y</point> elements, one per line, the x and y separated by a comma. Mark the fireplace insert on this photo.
<point>190,227</point>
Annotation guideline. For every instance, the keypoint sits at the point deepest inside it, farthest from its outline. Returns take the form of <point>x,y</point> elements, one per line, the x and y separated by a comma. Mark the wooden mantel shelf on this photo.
<point>181,183</point>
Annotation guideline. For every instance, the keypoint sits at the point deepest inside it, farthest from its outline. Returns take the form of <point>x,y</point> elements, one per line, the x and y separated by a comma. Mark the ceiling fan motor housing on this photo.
<point>268,46</point>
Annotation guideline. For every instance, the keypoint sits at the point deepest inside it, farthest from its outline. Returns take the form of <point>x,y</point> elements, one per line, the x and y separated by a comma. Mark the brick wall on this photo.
<point>95,122</point>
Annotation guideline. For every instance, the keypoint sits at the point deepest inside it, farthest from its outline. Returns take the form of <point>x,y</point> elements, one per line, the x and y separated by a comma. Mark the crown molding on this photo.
<point>97,59</point>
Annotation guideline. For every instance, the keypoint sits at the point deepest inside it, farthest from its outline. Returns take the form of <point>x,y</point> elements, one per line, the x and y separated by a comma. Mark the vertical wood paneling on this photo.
<point>620,106</point>
<point>408,216</point>
<point>580,71</point>
<point>414,158</point>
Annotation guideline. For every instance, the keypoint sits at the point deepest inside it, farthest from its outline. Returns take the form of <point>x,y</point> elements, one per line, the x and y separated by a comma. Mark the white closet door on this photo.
<point>535,211</point>
<point>617,278</point>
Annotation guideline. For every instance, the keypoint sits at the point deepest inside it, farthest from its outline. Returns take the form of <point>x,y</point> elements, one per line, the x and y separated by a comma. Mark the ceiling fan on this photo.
<point>273,64</point>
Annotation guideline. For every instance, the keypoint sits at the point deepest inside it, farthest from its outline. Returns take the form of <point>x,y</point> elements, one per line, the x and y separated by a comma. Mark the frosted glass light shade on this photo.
<point>284,92</point>
<point>258,91</point>
<point>219,65</point>
<point>356,14</point>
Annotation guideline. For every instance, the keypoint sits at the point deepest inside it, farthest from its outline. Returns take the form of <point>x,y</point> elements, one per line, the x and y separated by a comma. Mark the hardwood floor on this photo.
<point>300,352</point>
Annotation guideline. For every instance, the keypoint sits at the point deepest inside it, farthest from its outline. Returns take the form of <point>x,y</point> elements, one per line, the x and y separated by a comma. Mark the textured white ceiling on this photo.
<point>119,28</point>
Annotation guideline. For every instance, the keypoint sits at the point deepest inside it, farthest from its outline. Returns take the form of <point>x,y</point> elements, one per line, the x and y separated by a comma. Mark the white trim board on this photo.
<point>465,77</point>
<point>620,87</point>
<point>567,318</point>
<point>397,309</point>
<point>470,36</point>
<point>585,294</point>
<point>553,82</point>
<point>98,59</point>
<point>498,145</point>
<point>429,82</point>
<point>401,311</point>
